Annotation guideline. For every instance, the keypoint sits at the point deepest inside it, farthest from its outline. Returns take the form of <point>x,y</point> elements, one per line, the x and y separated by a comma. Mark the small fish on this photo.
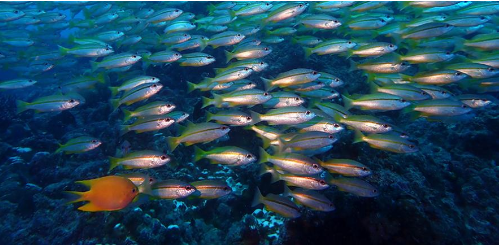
<point>306,182</point>
<point>178,116</point>
<point>150,109</point>
<point>321,125</point>
<point>333,46</point>
<point>248,52</point>
<point>438,107</point>
<point>475,70</point>
<point>383,64</point>
<point>227,38</point>
<point>253,9</point>
<point>179,26</point>
<point>196,60</point>
<point>229,155</point>
<point>284,116</point>
<point>291,162</point>
<point>132,83</point>
<point>355,186</point>
<point>87,50</point>
<point>48,104</point>
<point>375,49</point>
<point>277,204</point>
<point>79,145</point>
<point>320,21</point>
<point>175,38</point>
<point>137,94</point>
<point>166,14</point>
<point>151,123</point>
<point>267,133</point>
<point>231,117</point>
<point>365,123</point>
<point>16,84</point>
<point>435,92</point>
<point>292,77</point>
<point>109,193</point>
<point>306,40</point>
<point>388,142</point>
<point>166,56</point>
<point>283,99</point>
<point>140,159</point>
<point>231,74</point>
<point>332,109</point>
<point>254,64</point>
<point>310,198</point>
<point>407,92</point>
<point>171,189</point>
<point>81,83</point>
<point>324,93</point>
<point>198,133</point>
<point>475,101</point>
<point>345,167</point>
<point>307,141</point>
<point>376,102</point>
<point>249,97</point>
<point>211,189</point>
<point>116,61</point>
<point>429,30</point>
<point>427,56</point>
<point>208,86</point>
<point>440,77</point>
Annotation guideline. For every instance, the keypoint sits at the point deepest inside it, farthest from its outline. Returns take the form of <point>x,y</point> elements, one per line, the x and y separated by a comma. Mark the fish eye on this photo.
<point>168,105</point>
<point>424,93</point>
<point>107,48</point>
<point>265,93</point>
<point>185,35</point>
<point>266,49</point>
<point>223,128</point>
<point>322,182</point>
<point>209,57</point>
<point>16,12</point>
<point>133,190</point>
<point>337,80</point>
<point>60,14</point>
<point>375,191</point>
<point>226,188</point>
<point>349,42</point>
<point>177,54</point>
<point>404,135</point>
<point>134,56</point>
<point>246,69</point>
<point>447,53</point>
<point>248,118</point>
<point>297,99</point>
<point>391,45</point>
<point>335,21</point>
<point>308,112</point>
<point>403,100</point>
<point>336,125</point>
<point>315,166</point>
<point>188,188</point>
<point>314,72</point>
<point>154,86</point>
<point>464,106</point>
<point>319,83</point>
<point>163,157</point>
<point>330,136</point>
<point>267,4</point>
<point>411,146</point>
<point>482,18</point>
<point>94,141</point>
<point>72,101</point>
<point>249,156</point>
<point>382,20</point>
<point>331,205</point>
<point>447,25</point>
<point>176,11</point>
<point>364,168</point>
<point>385,125</point>
<point>46,64</point>
<point>167,119</point>
<point>261,63</point>
<point>300,5</point>
<point>30,80</point>
<point>239,35</point>
<point>443,92</point>
<point>458,73</point>
<point>490,69</point>
<point>150,180</point>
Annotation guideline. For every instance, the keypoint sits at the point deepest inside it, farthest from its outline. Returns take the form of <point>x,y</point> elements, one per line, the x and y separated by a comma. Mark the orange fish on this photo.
<point>108,193</point>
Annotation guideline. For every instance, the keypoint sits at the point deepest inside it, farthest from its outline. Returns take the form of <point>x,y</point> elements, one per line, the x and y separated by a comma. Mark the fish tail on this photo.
<point>265,169</point>
<point>190,86</point>
<point>258,198</point>
<point>413,115</point>
<point>63,51</point>
<point>59,149</point>
<point>266,142</point>
<point>287,191</point>
<point>358,137</point>
<point>373,87</point>
<point>267,83</point>
<point>397,38</point>
<point>209,116</point>
<point>124,130</point>
<point>353,66</point>
<point>228,55</point>
<point>264,156</point>
<point>113,162</point>
<point>101,78</point>
<point>281,146</point>
<point>115,103</point>
<point>458,44</point>
<point>74,196</point>
<point>203,45</point>
<point>21,106</point>
<point>127,113</point>
<point>211,8</point>
<point>347,102</point>
<point>198,154</point>
<point>114,91</point>
<point>207,102</point>
<point>87,14</point>
<point>256,117</point>
<point>349,54</point>
<point>172,142</point>
<point>276,176</point>
<point>94,66</point>
<point>308,52</point>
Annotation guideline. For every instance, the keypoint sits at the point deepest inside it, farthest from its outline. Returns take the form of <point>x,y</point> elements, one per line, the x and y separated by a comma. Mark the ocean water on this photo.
<point>433,177</point>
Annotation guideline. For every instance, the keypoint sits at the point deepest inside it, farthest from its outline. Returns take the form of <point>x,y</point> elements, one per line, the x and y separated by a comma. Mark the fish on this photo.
<point>79,145</point>
<point>230,117</point>
<point>198,133</point>
<point>438,107</point>
<point>116,61</point>
<point>52,103</point>
<point>306,182</point>
<point>178,116</point>
<point>320,21</point>
<point>321,125</point>
<point>16,84</point>
<point>140,159</point>
<point>292,77</point>
<point>87,50</point>
<point>249,98</point>
<point>283,99</point>
<point>277,204</point>
<point>376,102</point>
<point>310,198</point>
<point>388,142</point>
<point>285,12</point>
<point>171,189</point>
<point>109,193</point>
<point>308,140</point>
<point>355,186</point>
<point>345,167</point>
<point>165,14</point>
<point>405,91</point>
<point>197,59</point>
<point>291,162</point>
<point>284,116</point>
<point>141,180</point>
<point>476,101</point>
<point>229,75</point>
<point>365,123</point>
<point>147,124</point>
<point>227,38</point>
<point>229,155</point>
<point>247,52</point>
<point>82,83</point>
<point>137,94</point>
<point>132,83</point>
<point>211,189</point>
<point>333,46</point>
<point>150,109</point>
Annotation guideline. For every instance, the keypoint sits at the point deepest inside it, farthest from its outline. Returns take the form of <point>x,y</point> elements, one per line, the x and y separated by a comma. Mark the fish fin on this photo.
<point>373,87</point>
<point>256,117</point>
<point>124,130</point>
<point>21,106</point>
<point>207,102</point>
<point>287,191</point>
<point>114,91</point>
<point>209,116</point>
<point>127,113</point>
<point>267,83</point>
<point>94,66</point>
<point>114,162</point>
<point>308,52</point>
<point>87,183</point>
<point>397,39</point>
<point>349,54</point>
<point>198,153</point>
<point>281,145</point>
<point>115,103</point>
<point>264,156</point>
<point>190,86</point>
<point>265,169</point>
<point>347,102</point>
<point>90,207</point>
<point>63,51</point>
<point>228,55</point>
<point>458,44</point>
<point>276,176</point>
<point>211,8</point>
<point>358,137</point>
<point>75,196</point>
<point>413,115</point>
<point>266,142</point>
<point>353,66</point>
<point>172,142</point>
<point>258,198</point>
<point>101,78</point>
<point>87,14</point>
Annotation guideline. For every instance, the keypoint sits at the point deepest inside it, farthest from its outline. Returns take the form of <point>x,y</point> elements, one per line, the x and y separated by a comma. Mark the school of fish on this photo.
<point>298,114</point>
